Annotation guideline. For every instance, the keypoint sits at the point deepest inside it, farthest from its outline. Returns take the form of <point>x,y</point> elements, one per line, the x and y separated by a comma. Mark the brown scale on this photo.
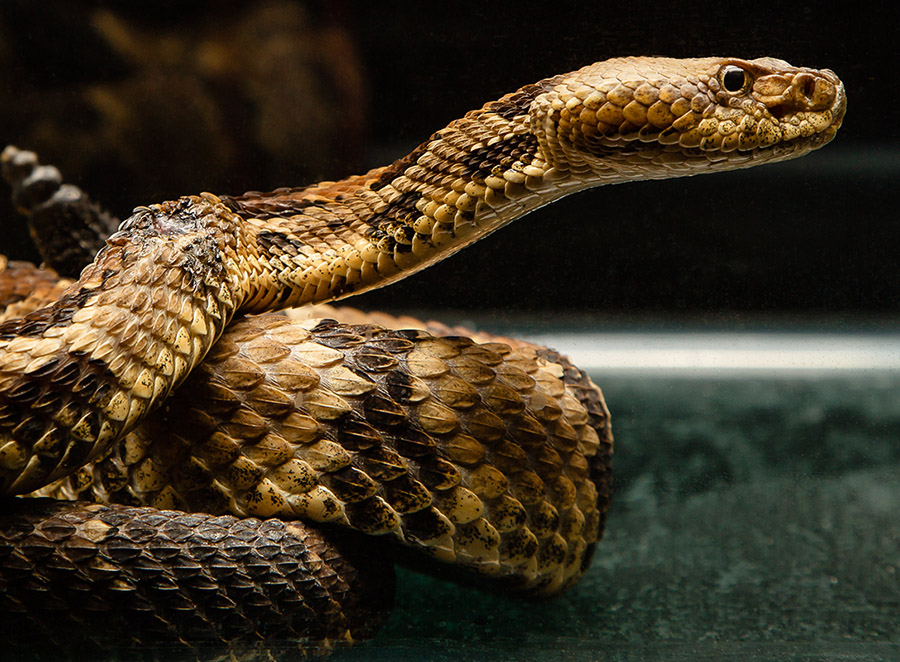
<point>284,421</point>
<point>164,581</point>
<point>355,425</point>
<point>25,288</point>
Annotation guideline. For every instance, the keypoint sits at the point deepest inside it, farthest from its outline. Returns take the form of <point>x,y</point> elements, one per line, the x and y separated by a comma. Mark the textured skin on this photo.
<point>88,579</point>
<point>477,454</point>
<point>494,456</point>
<point>475,450</point>
<point>25,288</point>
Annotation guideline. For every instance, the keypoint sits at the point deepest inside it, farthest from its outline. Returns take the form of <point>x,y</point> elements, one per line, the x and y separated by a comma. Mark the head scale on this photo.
<point>648,118</point>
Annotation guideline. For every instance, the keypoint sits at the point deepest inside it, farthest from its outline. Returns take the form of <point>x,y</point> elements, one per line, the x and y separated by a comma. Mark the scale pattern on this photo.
<point>490,455</point>
<point>82,580</point>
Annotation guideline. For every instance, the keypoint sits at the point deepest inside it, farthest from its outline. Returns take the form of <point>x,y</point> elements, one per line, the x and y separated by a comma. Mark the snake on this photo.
<point>210,456</point>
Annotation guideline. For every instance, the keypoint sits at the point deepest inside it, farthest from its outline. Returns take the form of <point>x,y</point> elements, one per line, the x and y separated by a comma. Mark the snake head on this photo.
<point>648,118</point>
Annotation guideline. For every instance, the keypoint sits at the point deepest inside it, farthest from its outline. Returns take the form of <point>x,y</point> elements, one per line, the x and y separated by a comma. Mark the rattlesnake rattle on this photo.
<point>492,457</point>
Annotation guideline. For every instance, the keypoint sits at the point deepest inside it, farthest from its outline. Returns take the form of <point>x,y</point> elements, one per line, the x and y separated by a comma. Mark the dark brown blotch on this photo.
<point>439,474</point>
<point>371,359</point>
<point>281,203</point>
<point>382,412</point>
<point>413,443</point>
<point>381,463</point>
<point>391,172</point>
<point>357,435</point>
<point>406,495</point>
<point>370,516</point>
<point>401,211</point>
<point>58,314</point>
<point>396,342</point>
<point>276,243</point>
<point>518,103</point>
<point>337,336</point>
<point>350,485</point>
<point>29,430</point>
<point>399,385</point>
<point>426,524</point>
<point>481,162</point>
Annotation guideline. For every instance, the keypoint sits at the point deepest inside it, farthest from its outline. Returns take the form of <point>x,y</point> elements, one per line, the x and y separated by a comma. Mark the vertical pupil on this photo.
<point>733,80</point>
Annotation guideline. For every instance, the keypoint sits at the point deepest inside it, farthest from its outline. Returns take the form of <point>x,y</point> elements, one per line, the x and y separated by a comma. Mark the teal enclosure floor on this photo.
<point>757,517</point>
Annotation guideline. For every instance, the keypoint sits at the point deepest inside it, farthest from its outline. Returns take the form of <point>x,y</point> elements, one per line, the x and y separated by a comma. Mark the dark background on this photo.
<point>810,239</point>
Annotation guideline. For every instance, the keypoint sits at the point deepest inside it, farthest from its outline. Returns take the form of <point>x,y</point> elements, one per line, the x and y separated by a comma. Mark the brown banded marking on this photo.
<point>589,128</point>
<point>59,313</point>
<point>518,103</point>
<point>364,458</point>
<point>199,583</point>
<point>283,202</point>
<point>188,266</point>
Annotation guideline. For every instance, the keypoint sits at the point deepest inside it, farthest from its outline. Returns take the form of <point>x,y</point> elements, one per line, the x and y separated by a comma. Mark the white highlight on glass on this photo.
<point>726,351</point>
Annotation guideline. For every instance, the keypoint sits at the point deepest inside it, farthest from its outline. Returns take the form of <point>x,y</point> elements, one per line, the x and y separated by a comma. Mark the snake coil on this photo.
<point>152,381</point>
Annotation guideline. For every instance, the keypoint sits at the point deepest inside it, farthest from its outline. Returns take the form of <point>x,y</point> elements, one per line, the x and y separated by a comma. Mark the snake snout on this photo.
<point>839,105</point>
<point>815,92</point>
<point>806,105</point>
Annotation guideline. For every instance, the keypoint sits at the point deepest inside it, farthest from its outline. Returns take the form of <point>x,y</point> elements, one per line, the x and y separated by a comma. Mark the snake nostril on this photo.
<point>810,86</point>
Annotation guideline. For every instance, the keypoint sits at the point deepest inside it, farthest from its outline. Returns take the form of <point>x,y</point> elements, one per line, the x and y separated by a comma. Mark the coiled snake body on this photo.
<point>492,456</point>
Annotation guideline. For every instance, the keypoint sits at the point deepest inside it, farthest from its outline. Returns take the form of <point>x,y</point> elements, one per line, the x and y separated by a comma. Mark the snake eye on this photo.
<point>734,79</point>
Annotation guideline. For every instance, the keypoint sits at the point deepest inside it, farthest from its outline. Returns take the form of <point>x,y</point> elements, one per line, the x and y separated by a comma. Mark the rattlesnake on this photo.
<point>491,456</point>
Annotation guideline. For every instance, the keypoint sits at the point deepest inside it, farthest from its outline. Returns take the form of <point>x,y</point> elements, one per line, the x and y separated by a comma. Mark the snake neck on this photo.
<point>335,239</point>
